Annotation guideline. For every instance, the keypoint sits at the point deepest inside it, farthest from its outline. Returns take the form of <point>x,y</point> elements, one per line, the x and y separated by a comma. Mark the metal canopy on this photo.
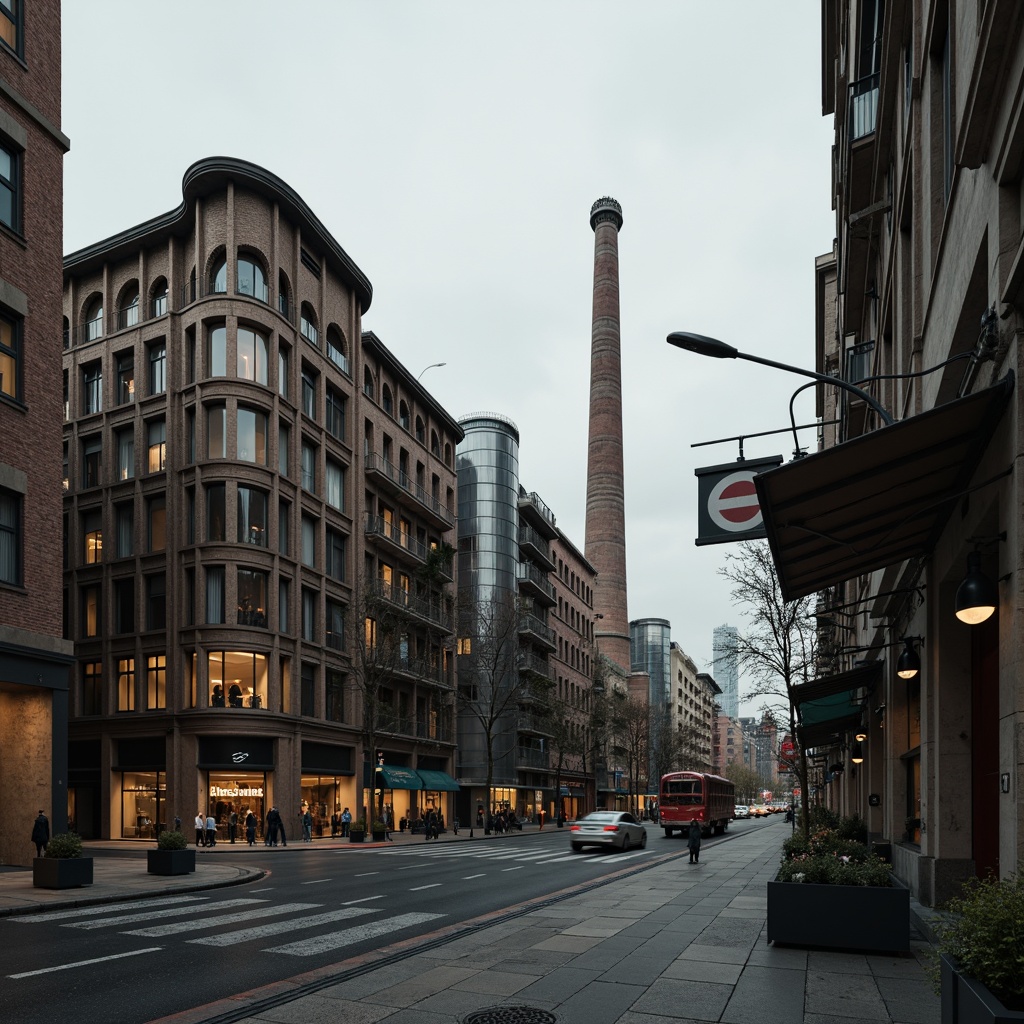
<point>878,499</point>
<point>829,706</point>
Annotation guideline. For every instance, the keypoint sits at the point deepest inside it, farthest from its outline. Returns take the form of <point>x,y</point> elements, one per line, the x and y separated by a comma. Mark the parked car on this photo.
<point>741,811</point>
<point>615,829</point>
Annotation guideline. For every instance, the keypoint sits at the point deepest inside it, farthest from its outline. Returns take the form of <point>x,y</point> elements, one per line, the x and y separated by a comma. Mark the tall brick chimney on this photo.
<point>605,543</point>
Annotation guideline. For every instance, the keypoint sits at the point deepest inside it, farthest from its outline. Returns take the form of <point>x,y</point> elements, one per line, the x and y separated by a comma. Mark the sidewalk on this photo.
<point>669,944</point>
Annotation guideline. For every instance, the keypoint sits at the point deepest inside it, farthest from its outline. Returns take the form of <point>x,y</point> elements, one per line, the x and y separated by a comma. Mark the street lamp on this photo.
<point>430,367</point>
<point>705,346</point>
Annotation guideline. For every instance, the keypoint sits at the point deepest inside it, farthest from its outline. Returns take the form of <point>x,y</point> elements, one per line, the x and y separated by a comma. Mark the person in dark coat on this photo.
<point>250,829</point>
<point>41,833</point>
<point>693,842</point>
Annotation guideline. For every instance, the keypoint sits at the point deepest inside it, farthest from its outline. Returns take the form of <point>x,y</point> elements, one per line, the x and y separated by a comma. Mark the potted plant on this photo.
<point>378,830</point>
<point>980,954</point>
<point>357,832</point>
<point>171,856</point>
<point>830,891</point>
<point>62,865</point>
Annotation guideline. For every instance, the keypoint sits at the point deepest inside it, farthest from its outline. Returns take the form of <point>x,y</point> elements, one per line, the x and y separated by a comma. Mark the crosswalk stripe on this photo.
<point>106,908</point>
<point>350,936</point>
<point>110,922</point>
<point>280,927</point>
<point>215,921</point>
<point>85,963</point>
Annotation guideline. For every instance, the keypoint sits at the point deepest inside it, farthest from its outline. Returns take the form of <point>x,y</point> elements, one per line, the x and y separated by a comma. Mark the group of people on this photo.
<point>341,824</point>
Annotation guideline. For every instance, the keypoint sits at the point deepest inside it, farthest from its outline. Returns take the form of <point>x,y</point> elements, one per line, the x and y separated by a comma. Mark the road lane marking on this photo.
<point>466,878</point>
<point>106,908</point>
<point>112,922</point>
<point>518,867</point>
<point>316,881</point>
<point>418,888</point>
<point>365,899</point>
<point>280,927</point>
<point>366,874</point>
<point>178,927</point>
<point>85,963</point>
<point>350,936</point>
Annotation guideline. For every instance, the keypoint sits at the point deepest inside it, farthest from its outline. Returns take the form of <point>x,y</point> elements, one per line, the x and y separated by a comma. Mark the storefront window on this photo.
<point>325,795</point>
<point>239,794</point>
<point>237,679</point>
<point>143,804</point>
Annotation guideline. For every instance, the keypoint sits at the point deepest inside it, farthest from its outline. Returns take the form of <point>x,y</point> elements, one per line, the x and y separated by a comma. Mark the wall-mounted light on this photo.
<point>860,736</point>
<point>908,664</point>
<point>977,597</point>
<point>857,753</point>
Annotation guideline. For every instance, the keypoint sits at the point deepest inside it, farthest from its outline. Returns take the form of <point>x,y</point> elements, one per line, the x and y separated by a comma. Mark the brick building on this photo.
<point>34,658</point>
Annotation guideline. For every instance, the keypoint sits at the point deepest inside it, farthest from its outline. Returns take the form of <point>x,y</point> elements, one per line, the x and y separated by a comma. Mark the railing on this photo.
<point>863,107</point>
<point>260,294</point>
<point>425,668</point>
<point>529,536</point>
<point>525,571</point>
<point>532,723</point>
<point>192,290</point>
<point>339,358</point>
<point>127,317</point>
<point>403,725</point>
<point>88,331</point>
<point>378,464</point>
<point>377,526</point>
<point>530,758</point>
<point>430,609</point>
<point>534,499</point>
<point>531,624</point>
<point>536,665</point>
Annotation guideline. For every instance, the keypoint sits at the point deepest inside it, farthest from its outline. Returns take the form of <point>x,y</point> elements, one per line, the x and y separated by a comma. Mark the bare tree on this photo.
<point>632,723</point>
<point>746,781</point>
<point>779,647</point>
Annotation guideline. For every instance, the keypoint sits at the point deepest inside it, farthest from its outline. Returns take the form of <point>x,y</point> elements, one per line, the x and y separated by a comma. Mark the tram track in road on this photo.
<point>238,1008</point>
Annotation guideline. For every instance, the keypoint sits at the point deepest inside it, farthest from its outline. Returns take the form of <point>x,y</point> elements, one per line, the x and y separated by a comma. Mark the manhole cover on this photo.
<point>510,1015</point>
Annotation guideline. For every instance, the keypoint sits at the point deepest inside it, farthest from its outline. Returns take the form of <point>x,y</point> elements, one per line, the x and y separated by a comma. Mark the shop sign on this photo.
<point>236,791</point>
<point>728,508</point>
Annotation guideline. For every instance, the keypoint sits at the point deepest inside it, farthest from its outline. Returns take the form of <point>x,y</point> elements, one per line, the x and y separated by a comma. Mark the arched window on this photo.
<point>284,295</point>
<point>128,307</point>
<point>158,304</point>
<point>250,279</point>
<point>447,454</point>
<point>307,325</point>
<point>386,401</point>
<point>403,414</point>
<point>435,444</point>
<point>420,430</point>
<point>219,276</point>
<point>336,349</point>
<point>93,319</point>
<point>368,383</point>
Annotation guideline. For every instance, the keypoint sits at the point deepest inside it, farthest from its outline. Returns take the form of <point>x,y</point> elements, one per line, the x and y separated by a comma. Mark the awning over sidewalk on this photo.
<point>829,706</point>
<point>397,777</point>
<point>878,499</point>
<point>437,781</point>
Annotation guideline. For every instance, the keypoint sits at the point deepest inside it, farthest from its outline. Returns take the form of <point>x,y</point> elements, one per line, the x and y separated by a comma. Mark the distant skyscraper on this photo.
<point>726,668</point>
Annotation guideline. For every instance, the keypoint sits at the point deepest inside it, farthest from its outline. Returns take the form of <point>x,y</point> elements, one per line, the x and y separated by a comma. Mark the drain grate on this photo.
<point>510,1015</point>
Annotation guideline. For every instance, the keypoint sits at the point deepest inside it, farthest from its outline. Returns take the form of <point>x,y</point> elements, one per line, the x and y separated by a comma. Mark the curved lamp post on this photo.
<point>705,346</point>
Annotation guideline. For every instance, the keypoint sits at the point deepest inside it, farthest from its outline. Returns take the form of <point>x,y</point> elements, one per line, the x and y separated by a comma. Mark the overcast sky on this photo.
<point>454,150</point>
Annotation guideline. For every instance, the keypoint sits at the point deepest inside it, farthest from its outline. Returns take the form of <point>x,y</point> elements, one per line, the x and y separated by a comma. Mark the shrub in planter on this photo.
<point>171,841</point>
<point>172,856</point>
<point>985,939</point>
<point>62,866</point>
<point>64,846</point>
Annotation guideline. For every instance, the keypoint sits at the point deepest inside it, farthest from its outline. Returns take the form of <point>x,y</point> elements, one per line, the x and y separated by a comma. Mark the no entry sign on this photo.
<point>729,509</point>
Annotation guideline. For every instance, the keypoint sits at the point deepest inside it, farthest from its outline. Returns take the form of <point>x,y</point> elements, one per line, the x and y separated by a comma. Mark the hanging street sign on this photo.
<point>728,507</point>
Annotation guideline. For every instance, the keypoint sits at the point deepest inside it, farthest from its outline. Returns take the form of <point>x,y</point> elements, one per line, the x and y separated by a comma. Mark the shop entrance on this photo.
<point>236,793</point>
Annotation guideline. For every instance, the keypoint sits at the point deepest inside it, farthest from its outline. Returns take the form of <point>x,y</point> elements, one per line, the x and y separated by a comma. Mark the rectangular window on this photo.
<point>156,682</point>
<point>215,594</point>
<point>252,436</point>
<point>124,605</point>
<point>335,555</point>
<point>92,448</point>
<point>190,598</point>
<point>309,615</point>
<point>282,606</point>
<point>252,517</point>
<point>10,361</point>
<point>282,372</point>
<point>309,394</point>
<point>335,486</point>
<point>284,511</point>
<point>125,377</point>
<point>92,388</point>
<point>251,355</point>
<point>92,606</point>
<point>252,598</point>
<point>284,437</point>
<point>159,304</point>
<point>335,414</point>
<point>334,625</point>
<point>217,352</point>
<point>215,512</point>
<point>156,518</point>
<point>156,602</point>
<point>157,441</point>
<point>308,542</point>
<point>308,696</point>
<point>126,684</point>
<point>10,537</point>
<point>125,453</point>
<point>125,514</point>
<point>190,431</point>
<point>92,532</point>
<point>216,432</point>
<point>10,158</point>
<point>308,467</point>
<point>92,688</point>
<point>334,693</point>
<point>157,368</point>
<point>10,24</point>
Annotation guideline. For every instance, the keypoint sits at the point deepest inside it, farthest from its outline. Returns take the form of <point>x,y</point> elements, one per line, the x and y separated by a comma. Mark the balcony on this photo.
<point>431,611</point>
<point>532,581</point>
<point>538,632</point>
<point>431,670</point>
<point>537,513</point>
<point>398,483</point>
<point>862,111</point>
<point>404,725</point>
<point>537,725</point>
<point>533,544</point>
<point>395,540</point>
<point>535,665</point>
<point>527,757</point>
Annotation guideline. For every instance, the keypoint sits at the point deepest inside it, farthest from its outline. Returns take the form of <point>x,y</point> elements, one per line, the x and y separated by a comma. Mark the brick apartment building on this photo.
<point>34,659</point>
<point>256,497</point>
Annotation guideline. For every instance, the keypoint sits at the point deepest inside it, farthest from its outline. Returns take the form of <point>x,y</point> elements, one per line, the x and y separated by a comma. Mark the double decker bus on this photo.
<point>689,796</point>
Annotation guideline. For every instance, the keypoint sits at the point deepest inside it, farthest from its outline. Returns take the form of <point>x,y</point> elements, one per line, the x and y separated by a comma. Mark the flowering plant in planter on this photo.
<point>833,853</point>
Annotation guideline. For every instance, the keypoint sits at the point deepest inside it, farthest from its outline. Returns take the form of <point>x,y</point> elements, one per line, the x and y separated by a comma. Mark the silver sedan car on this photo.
<point>616,829</point>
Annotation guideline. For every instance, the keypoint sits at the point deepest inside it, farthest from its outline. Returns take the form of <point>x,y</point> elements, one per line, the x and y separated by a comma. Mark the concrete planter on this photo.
<point>170,862</point>
<point>61,872</point>
<point>378,835</point>
<point>864,917</point>
<point>356,835</point>
<point>966,1001</point>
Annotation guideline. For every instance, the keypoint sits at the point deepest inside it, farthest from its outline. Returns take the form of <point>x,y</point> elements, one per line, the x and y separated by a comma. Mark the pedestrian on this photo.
<point>41,832</point>
<point>250,828</point>
<point>200,829</point>
<point>335,823</point>
<point>346,822</point>
<point>177,824</point>
<point>386,818</point>
<point>540,818</point>
<point>211,830</point>
<point>480,816</point>
<point>693,841</point>
<point>307,826</point>
<point>430,826</point>
<point>232,824</point>
<point>275,826</point>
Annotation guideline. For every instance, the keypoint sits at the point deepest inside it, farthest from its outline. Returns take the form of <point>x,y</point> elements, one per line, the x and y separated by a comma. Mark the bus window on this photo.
<point>682,791</point>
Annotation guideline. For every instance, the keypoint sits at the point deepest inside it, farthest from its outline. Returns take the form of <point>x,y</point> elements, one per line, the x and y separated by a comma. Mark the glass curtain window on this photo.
<point>334,687</point>
<point>156,602</point>
<point>335,555</point>
<point>124,605</point>
<point>308,614</point>
<point>216,432</point>
<point>126,454</point>
<point>309,395</point>
<point>284,511</point>
<point>157,516</point>
<point>92,381</point>
<point>128,316</point>
<point>125,377</point>
<point>92,528</point>
<point>252,598</point>
<point>307,696</point>
<point>251,361</point>
<point>335,421</point>
<point>92,624</point>
<point>335,625</point>
<point>10,537</point>
<point>219,277</point>
<point>252,517</point>
<point>282,372</point>
<point>252,436</point>
<point>92,688</point>
<point>284,435</point>
<point>215,594</point>
<point>282,606</point>
<point>336,352</point>
<point>160,299</point>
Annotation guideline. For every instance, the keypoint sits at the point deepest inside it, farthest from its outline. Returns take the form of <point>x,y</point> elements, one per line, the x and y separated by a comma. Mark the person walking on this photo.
<point>200,829</point>
<point>41,832</point>
<point>693,841</point>
<point>307,826</point>
<point>250,829</point>
<point>346,822</point>
<point>386,818</point>
<point>232,825</point>
<point>211,830</point>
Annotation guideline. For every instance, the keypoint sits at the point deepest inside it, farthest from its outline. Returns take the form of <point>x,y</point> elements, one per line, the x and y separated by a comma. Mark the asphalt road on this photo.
<point>138,961</point>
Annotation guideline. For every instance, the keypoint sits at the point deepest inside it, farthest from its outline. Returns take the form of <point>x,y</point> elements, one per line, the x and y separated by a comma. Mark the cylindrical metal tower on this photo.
<point>605,544</point>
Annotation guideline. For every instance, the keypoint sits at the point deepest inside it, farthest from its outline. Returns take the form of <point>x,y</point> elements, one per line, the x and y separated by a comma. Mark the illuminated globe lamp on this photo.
<point>908,664</point>
<point>857,753</point>
<point>977,597</point>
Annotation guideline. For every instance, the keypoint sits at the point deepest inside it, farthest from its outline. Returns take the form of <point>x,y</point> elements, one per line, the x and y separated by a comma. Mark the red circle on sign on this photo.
<point>733,504</point>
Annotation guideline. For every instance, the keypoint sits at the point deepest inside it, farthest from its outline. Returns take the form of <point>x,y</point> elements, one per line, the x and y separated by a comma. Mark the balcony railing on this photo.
<point>863,107</point>
<point>530,538</point>
<point>378,464</point>
<point>431,609</point>
<point>376,526</point>
<point>531,624</point>
<point>403,725</point>
<point>530,574</point>
<point>527,757</point>
<point>538,666</point>
<point>433,670</point>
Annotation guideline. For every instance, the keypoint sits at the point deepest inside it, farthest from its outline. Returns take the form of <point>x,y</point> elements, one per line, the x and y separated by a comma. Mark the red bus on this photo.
<point>686,796</point>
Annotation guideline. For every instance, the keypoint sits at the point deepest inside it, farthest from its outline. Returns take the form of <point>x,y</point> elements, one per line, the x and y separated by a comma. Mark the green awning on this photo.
<point>830,706</point>
<point>397,777</point>
<point>437,781</point>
